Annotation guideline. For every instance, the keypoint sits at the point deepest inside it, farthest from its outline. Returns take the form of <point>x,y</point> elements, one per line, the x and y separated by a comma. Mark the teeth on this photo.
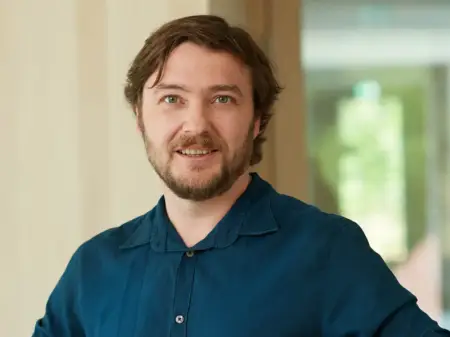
<point>191,152</point>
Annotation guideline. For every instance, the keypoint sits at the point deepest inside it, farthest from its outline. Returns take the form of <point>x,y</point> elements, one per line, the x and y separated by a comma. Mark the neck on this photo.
<point>194,220</point>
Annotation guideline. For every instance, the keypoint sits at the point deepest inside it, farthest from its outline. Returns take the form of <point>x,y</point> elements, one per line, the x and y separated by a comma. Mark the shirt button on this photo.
<point>190,253</point>
<point>179,319</point>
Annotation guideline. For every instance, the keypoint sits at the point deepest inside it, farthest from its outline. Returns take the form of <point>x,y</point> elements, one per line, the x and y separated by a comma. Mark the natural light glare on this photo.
<point>371,170</point>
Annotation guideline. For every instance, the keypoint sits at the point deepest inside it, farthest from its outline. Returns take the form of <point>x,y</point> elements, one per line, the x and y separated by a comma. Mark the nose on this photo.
<point>196,118</point>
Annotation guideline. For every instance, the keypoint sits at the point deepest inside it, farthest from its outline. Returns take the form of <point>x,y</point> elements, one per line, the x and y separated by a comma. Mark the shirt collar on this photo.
<point>251,215</point>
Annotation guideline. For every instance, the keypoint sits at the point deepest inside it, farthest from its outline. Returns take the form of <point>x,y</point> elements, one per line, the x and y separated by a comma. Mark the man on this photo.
<point>222,254</point>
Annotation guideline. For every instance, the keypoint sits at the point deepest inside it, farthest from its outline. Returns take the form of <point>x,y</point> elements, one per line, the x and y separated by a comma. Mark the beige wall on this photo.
<point>72,162</point>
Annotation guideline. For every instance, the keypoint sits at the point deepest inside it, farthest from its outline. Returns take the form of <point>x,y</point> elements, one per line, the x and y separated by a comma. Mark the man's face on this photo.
<point>198,122</point>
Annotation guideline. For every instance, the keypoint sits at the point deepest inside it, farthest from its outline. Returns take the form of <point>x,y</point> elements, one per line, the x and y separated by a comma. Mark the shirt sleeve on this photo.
<point>362,297</point>
<point>61,317</point>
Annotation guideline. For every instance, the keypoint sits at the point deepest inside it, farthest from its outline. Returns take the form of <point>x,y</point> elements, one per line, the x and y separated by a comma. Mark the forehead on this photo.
<point>196,67</point>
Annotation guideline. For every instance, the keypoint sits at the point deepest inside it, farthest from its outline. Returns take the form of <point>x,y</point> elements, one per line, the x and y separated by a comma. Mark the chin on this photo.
<point>200,170</point>
<point>197,178</point>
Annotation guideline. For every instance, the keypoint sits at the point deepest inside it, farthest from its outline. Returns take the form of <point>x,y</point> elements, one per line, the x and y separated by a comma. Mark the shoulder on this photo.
<point>100,260</point>
<point>113,238</point>
<point>104,251</point>
<point>331,238</point>
<point>344,255</point>
<point>294,215</point>
<point>316,237</point>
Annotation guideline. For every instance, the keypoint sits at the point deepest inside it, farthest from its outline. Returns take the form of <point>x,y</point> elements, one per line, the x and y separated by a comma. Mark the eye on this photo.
<point>171,99</point>
<point>223,99</point>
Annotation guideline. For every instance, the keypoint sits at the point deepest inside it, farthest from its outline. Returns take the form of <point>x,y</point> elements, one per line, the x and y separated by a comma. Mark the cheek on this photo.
<point>235,136</point>
<point>159,133</point>
<point>153,134</point>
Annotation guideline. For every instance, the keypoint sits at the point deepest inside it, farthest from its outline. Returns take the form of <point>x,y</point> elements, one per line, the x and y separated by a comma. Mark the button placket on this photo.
<point>183,290</point>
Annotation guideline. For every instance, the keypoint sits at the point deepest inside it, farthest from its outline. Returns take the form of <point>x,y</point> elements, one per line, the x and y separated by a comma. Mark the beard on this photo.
<point>197,187</point>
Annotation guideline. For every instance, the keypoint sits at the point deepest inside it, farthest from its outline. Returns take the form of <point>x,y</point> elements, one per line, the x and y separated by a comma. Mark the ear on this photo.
<point>138,116</point>
<point>257,127</point>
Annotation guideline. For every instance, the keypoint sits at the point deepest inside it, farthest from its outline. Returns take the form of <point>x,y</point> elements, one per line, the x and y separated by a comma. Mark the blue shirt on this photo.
<point>273,266</point>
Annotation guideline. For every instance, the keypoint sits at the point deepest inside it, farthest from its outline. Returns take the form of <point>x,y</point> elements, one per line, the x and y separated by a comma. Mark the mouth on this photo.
<point>196,153</point>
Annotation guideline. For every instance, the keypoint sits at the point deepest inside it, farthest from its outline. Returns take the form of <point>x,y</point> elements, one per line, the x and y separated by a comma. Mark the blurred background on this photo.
<point>362,129</point>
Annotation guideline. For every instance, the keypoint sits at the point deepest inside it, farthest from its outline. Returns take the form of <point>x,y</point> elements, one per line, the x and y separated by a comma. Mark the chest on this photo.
<point>218,293</point>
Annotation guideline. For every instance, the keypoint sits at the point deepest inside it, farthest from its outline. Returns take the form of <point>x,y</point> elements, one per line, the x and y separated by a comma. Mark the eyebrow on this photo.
<point>214,88</point>
<point>226,87</point>
<point>165,86</point>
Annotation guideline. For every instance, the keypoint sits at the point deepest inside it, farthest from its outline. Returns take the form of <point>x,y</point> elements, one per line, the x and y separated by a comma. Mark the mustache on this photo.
<point>204,139</point>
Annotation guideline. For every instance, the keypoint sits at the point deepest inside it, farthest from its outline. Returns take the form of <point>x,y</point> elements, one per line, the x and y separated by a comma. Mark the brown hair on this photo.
<point>214,33</point>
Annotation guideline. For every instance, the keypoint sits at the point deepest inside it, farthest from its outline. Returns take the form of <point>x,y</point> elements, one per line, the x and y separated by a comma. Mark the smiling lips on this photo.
<point>200,146</point>
<point>192,152</point>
